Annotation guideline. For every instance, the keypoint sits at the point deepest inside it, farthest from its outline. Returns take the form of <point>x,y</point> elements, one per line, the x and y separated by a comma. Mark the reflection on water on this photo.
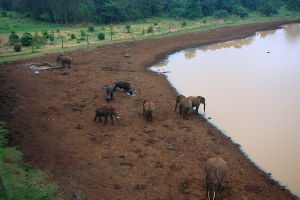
<point>190,53</point>
<point>252,88</point>
<point>230,44</point>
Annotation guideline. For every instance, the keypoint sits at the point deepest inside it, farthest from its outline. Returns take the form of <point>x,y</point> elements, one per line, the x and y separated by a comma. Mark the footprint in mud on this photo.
<point>185,186</point>
<point>159,164</point>
<point>253,188</point>
<point>149,142</point>
<point>176,168</point>
<point>140,186</point>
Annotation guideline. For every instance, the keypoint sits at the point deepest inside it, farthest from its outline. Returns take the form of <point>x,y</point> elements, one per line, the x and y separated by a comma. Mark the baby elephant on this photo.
<point>185,108</point>
<point>125,86</point>
<point>105,111</point>
<point>196,101</point>
<point>65,61</point>
<point>148,109</point>
<point>179,98</point>
<point>109,92</point>
<point>215,169</point>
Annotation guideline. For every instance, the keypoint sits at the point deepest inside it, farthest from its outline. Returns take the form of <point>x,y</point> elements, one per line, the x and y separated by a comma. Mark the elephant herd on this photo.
<point>215,168</point>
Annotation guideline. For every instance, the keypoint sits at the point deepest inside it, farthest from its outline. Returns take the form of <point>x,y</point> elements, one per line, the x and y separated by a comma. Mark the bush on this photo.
<point>128,27</point>
<point>17,47</point>
<point>82,33</point>
<point>73,36</point>
<point>57,30</point>
<point>13,38</point>
<point>101,36</point>
<point>51,37</point>
<point>184,24</point>
<point>204,21</point>
<point>45,34</point>
<point>91,28</point>
<point>155,23</point>
<point>221,14</point>
<point>150,29</point>
<point>26,39</point>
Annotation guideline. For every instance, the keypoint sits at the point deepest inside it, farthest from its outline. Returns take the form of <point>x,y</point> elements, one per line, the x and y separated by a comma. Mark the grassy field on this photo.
<point>138,30</point>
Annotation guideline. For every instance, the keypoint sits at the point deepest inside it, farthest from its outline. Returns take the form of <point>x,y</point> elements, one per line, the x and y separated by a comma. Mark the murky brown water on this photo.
<point>252,88</point>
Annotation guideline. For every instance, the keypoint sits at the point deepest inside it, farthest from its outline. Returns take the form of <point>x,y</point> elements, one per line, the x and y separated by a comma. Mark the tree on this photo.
<point>267,9</point>
<point>293,5</point>
<point>26,39</point>
<point>128,28</point>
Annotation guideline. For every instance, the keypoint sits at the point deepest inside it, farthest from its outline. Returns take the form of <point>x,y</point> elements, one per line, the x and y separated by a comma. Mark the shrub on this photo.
<point>184,24</point>
<point>13,38</point>
<point>17,47</point>
<point>150,29</point>
<point>51,37</point>
<point>128,27</point>
<point>45,34</point>
<point>155,23</point>
<point>101,36</point>
<point>143,32</point>
<point>73,36</point>
<point>91,28</point>
<point>221,14</point>
<point>204,21</point>
<point>82,33</point>
<point>26,39</point>
<point>57,30</point>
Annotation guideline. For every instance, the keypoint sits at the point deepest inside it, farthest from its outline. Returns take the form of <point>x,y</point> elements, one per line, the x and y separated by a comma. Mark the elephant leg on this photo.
<point>105,120</point>
<point>95,118</point>
<point>111,118</point>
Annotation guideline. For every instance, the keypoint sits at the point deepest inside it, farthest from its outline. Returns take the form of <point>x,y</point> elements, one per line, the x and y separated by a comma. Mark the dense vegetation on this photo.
<point>114,11</point>
<point>17,180</point>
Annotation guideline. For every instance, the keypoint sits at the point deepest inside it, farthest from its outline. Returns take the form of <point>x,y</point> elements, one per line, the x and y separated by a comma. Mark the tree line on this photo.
<point>114,11</point>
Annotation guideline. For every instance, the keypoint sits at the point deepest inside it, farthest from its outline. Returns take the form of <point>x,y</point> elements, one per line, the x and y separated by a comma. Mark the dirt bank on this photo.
<point>50,117</point>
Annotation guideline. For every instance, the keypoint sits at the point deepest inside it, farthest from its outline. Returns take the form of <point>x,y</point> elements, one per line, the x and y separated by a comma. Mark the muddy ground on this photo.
<point>50,118</point>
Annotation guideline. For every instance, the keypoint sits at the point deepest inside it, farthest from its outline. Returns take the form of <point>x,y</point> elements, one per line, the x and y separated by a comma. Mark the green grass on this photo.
<point>17,179</point>
<point>120,35</point>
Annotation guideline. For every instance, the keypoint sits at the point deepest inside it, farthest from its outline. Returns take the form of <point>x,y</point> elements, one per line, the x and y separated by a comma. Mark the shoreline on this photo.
<point>162,160</point>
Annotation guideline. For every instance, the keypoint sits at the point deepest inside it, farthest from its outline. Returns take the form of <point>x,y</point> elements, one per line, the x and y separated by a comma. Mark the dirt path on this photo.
<point>50,116</point>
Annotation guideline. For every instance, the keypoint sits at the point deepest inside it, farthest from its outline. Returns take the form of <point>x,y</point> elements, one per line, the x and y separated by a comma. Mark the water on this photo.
<point>252,89</point>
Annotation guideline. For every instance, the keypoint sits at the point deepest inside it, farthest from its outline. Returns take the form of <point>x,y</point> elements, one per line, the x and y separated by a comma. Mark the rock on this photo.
<point>126,55</point>
<point>173,148</point>
<point>78,195</point>
<point>117,187</point>
<point>79,126</point>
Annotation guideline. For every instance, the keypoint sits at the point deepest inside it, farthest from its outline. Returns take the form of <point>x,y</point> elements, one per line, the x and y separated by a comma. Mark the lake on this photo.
<point>252,90</point>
